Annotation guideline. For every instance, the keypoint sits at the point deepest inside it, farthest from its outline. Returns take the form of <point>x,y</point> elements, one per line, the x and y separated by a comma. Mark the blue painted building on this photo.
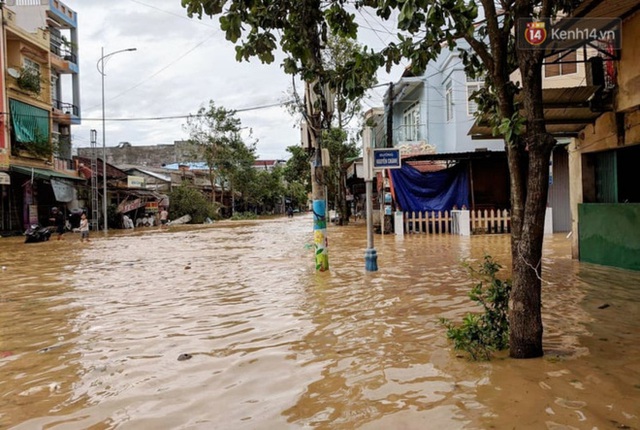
<point>434,109</point>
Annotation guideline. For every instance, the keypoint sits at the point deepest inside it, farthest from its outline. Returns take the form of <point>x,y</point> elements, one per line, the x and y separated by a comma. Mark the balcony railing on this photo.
<point>60,47</point>
<point>410,133</point>
<point>67,108</point>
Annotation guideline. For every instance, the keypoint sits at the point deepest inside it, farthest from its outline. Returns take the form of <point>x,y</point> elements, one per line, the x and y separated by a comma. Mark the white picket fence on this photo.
<point>462,222</point>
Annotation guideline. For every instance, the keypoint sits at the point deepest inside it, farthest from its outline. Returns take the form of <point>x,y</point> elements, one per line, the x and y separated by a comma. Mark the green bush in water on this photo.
<point>481,334</point>
<point>239,216</point>
<point>186,200</point>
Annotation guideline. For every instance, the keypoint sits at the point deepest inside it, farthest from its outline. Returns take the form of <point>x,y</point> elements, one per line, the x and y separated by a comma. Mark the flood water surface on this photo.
<point>230,327</point>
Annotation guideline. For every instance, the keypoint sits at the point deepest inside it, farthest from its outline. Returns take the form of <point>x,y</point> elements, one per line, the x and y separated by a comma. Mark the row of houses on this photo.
<point>591,102</point>
<point>40,102</point>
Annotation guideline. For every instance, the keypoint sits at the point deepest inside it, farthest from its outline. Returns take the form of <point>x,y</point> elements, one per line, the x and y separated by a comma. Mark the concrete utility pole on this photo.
<point>370,254</point>
<point>314,122</point>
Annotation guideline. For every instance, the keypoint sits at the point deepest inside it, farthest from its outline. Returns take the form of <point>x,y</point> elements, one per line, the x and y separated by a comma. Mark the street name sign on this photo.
<point>386,158</point>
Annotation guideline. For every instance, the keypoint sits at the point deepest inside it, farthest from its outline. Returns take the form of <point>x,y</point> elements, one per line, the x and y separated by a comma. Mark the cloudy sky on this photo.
<point>178,66</point>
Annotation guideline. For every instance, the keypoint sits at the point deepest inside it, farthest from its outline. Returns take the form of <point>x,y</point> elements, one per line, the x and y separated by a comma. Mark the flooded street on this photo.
<point>91,334</point>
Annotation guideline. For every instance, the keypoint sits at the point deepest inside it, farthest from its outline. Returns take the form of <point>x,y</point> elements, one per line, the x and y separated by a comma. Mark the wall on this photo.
<point>150,155</point>
<point>609,234</point>
<point>629,65</point>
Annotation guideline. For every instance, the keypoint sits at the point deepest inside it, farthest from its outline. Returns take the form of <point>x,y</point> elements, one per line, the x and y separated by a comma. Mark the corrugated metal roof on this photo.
<point>166,178</point>
<point>566,112</point>
<point>451,156</point>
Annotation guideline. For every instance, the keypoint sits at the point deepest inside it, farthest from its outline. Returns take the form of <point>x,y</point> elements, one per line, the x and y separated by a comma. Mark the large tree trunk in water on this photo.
<point>529,169</point>
<point>525,320</point>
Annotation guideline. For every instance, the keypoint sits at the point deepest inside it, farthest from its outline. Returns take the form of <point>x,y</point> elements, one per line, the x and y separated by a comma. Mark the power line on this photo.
<point>173,14</point>
<point>161,118</point>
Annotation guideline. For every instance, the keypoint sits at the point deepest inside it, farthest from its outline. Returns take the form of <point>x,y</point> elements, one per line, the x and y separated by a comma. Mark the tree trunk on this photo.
<point>531,165</point>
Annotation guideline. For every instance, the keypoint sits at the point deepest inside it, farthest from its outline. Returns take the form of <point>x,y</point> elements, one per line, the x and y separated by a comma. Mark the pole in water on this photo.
<point>371,260</point>
<point>320,235</point>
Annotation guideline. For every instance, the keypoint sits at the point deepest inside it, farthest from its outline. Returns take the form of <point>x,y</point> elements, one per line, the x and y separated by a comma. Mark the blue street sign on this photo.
<point>386,158</point>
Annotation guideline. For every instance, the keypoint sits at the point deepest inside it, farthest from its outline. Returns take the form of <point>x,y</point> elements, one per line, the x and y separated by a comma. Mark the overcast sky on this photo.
<point>179,65</point>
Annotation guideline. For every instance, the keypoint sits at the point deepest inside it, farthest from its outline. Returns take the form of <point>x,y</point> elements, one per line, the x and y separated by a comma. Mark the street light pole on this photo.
<point>100,67</point>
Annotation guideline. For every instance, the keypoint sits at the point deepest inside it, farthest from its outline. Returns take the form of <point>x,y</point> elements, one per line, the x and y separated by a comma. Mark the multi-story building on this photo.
<point>428,117</point>
<point>41,100</point>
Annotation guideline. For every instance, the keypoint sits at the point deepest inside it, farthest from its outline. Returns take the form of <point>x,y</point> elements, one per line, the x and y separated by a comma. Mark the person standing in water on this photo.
<point>164,218</point>
<point>57,219</point>
<point>84,228</point>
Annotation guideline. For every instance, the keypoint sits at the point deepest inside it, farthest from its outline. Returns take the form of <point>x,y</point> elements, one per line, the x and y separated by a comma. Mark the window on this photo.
<point>473,84</point>
<point>556,66</point>
<point>410,121</point>
<point>448,95</point>
<point>54,90</point>
<point>28,63</point>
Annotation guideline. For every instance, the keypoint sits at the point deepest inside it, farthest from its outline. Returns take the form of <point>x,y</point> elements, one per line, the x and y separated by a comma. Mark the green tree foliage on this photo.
<point>297,193</point>
<point>338,56</point>
<point>186,200</point>
<point>216,133</point>
<point>480,335</point>
<point>296,175</point>
<point>341,150</point>
<point>265,191</point>
<point>298,168</point>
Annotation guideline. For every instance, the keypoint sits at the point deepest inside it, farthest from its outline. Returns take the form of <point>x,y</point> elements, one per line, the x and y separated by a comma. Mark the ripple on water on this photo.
<point>275,345</point>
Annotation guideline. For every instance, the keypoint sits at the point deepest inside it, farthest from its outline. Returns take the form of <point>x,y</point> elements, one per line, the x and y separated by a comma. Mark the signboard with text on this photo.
<point>386,158</point>
<point>129,205</point>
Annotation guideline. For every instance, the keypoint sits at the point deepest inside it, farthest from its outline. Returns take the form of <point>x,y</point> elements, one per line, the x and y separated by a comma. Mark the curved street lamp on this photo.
<point>100,66</point>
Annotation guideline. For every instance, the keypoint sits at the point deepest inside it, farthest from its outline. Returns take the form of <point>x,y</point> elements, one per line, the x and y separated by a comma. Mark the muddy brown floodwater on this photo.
<point>91,334</point>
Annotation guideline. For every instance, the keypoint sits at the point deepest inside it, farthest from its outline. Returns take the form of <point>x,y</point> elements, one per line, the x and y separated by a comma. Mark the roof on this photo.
<point>39,173</point>
<point>427,166</point>
<point>166,178</point>
<point>201,165</point>
<point>473,155</point>
<point>112,171</point>
<point>566,112</point>
<point>402,88</point>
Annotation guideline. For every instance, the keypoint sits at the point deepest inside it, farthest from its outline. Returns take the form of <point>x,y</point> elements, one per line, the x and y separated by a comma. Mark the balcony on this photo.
<point>63,56</point>
<point>64,113</point>
<point>410,133</point>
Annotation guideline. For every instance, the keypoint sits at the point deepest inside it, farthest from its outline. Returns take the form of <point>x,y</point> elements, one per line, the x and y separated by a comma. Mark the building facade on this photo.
<point>41,100</point>
<point>604,154</point>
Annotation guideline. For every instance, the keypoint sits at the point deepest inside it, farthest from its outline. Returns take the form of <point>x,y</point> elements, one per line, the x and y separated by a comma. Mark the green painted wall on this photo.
<point>610,234</point>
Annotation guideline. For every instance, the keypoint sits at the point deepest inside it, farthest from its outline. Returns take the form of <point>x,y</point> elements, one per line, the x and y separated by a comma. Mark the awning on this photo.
<point>30,123</point>
<point>403,88</point>
<point>566,112</point>
<point>42,173</point>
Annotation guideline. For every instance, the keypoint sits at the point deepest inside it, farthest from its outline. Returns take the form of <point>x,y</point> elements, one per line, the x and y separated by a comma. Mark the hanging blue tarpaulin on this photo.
<point>432,191</point>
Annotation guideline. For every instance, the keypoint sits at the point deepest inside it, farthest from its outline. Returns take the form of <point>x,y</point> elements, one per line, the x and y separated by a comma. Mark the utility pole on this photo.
<point>370,254</point>
<point>390,118</point>
<point>385,220</point>
<point>314,110</point>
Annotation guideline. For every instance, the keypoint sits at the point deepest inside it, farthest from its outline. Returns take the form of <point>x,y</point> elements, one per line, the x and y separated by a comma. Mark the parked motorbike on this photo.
<point>37,233</point>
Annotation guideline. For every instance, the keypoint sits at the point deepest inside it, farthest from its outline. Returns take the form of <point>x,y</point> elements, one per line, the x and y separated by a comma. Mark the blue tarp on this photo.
<point>433,191</point>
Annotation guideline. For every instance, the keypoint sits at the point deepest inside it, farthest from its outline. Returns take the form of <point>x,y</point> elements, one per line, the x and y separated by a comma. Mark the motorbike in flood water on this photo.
<point>37,233</point>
